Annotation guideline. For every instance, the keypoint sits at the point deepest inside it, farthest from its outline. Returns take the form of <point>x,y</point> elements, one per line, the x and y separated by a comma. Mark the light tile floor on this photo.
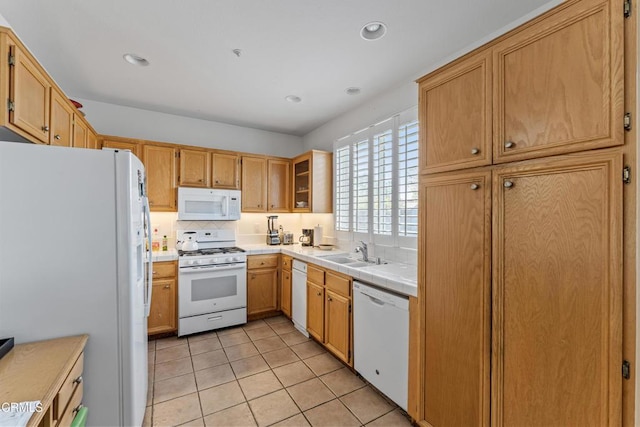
<point>260,374</point>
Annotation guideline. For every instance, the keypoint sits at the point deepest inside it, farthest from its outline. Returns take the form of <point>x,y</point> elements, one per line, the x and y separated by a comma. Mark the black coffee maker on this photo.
<point>307,237</point>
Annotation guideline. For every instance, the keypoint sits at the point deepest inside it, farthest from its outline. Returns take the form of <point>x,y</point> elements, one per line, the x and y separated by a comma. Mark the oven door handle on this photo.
<point>192,270</point>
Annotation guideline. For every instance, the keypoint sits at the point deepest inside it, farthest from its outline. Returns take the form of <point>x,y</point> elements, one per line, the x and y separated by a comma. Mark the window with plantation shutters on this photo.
<point>376,182</point>
<point>343,184</point>
<point>383,183</point>
<point>408,179</point>
<point>360,180</point>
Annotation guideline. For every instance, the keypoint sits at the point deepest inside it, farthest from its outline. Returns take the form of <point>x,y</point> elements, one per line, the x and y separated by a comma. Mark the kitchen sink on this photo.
<point>340,259</point>
<point>357,264</point>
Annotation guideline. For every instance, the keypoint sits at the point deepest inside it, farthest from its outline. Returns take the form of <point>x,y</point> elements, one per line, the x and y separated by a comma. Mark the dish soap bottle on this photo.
<point>155,241</point>
<point>164,243</point>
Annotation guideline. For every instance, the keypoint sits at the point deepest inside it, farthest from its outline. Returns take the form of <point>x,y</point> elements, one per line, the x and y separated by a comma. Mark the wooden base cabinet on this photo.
<point>557,291</point>
<point>329,318</point>
<point>262,285</point>
<point>163,315</point>
<point>285,285</point>
<point>455,282</point>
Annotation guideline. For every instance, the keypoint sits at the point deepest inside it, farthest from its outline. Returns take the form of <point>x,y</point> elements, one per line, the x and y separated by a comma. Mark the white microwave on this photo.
<point>208,204</point>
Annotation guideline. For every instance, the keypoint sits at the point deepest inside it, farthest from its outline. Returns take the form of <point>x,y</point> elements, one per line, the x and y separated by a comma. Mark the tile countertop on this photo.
<point>397,277</point>
<point>168,255</point>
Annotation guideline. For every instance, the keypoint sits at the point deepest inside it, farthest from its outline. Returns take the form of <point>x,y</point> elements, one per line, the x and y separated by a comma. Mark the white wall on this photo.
<point>111,119</point>
<point>398,99</point>
<point>3,22</point>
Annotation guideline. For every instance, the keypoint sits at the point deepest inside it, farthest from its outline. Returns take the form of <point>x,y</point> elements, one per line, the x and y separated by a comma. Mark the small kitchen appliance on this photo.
<point>307,237</point>
<point>287,238</point>
<point>212,282</point>
<point>273,237</point>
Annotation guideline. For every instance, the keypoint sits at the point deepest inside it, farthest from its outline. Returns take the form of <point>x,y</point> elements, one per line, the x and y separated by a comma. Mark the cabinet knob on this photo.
<point>509,144</point>
<point>217,181</point>
<point>475,150</point>
<point>199,180</point>
<point>57,137</point>
<point>166,286</point>
<point>329,299</point>
<point>474,186</point>
<point>253,276</point>
<point>45,128</point>
<point>319,294</point>
<point>78,380</point>
<point>508,184</point>
<point>272,206</point>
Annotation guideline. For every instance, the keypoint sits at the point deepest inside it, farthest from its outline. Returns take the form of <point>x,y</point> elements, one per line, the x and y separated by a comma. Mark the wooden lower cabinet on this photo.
<point>337,317</point>
<point>329,318</point>
<point>557,291</point>
<point>163,315</point>
<point>262,285</point>
<point>543,344</point>
<point>315,311</point>
<point>456,215</point>
<point>285,286</point>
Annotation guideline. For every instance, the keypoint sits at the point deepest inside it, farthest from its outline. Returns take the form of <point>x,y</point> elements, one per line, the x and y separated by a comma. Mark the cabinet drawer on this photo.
<point>315,275</point>
<point>262,261</point>
<point>286,262</point>
<point>72,408</point>
<point>164,269</point>
<point>73,380</point>
<point>338,283</point>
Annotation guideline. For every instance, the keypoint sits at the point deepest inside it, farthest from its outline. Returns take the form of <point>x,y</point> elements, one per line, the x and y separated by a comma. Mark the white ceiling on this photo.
<point>308,48</point>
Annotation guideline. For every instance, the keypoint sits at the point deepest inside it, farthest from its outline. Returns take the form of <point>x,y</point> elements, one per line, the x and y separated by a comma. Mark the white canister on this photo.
<point>317,235</point>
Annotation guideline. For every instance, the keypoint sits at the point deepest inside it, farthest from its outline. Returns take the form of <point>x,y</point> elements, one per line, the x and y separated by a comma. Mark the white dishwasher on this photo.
<point>299,296</point>
<point>381,340</point>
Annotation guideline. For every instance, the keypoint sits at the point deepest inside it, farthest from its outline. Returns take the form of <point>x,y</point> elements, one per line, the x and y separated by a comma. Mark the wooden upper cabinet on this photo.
<point>80,131</point>
<point>557,291</point>
<point>160,164</point>
<point>225,171</point>
<point>29,91</point>
<point>61,133</point>
<point>455,104</point>
<point>312,182</point>
<point>134,147</point>
<point>254,185</point>
<point>278,176</point>
<point>559,84</point>
<point>455,285</point>
<point>92,139</point>
<point>195,168</point>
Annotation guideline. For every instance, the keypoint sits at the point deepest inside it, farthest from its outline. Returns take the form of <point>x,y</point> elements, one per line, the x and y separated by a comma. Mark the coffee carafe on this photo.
<point>273,238</point>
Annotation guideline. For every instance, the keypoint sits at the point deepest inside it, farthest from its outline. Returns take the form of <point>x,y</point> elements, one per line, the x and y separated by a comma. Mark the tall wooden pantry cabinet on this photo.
<point>521,312</point>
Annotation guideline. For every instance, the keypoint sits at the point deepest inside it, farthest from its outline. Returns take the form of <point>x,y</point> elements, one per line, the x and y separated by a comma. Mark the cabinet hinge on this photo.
<point>12,60</point>
<point>349,308</point>
<point>626,370</point>
<point>177,154</point>
<point>627,8</point>
<point>11,106</point>
<point>627,121</point>
<point>626,174</point>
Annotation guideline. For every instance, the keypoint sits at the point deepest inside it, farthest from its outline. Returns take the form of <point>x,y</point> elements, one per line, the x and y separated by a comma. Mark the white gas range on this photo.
<point>212,282</point>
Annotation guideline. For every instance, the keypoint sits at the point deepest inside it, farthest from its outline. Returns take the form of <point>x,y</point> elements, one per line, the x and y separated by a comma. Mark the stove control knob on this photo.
<point>236,259</point>
<point>228,259</point>
<point>202,261</point>
<point>191,262</point>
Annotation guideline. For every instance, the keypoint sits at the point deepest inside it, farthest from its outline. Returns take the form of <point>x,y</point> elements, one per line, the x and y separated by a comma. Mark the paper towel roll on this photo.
<point>317,235</point>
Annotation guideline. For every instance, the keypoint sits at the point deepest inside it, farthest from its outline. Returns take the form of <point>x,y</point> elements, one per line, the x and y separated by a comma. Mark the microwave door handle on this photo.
<point>147,217</point>
<point>225,206</point>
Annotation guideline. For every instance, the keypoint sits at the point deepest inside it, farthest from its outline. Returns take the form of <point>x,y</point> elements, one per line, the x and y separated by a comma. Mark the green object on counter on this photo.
<point>80,419</point>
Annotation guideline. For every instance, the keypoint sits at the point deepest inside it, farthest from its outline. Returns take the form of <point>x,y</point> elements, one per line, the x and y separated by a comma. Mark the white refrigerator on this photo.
<point>72,261</point>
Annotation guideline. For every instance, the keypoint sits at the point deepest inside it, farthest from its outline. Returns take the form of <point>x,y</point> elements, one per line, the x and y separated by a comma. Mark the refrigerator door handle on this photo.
<point>147,216</point>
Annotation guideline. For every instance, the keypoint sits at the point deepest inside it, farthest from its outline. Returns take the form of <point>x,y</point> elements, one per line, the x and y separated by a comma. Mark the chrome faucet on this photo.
<point>363,248</point>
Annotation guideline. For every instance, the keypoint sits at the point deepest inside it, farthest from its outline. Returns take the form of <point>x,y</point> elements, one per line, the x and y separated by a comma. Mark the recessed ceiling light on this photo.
<point>352,90</point>
<point>134,59</point>
<point>293,98</point>
<point>373,31</point>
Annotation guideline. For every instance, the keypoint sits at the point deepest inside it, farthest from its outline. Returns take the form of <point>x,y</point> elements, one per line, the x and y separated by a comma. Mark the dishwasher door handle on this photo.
<point>373,299</point>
